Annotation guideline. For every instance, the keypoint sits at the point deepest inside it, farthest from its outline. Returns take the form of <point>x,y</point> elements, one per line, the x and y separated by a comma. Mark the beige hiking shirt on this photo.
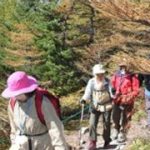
<point>24,119</point>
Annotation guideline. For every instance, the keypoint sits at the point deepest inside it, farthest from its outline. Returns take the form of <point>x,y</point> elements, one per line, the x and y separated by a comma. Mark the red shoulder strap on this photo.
<point>12,103</point>
<point>38,104</point>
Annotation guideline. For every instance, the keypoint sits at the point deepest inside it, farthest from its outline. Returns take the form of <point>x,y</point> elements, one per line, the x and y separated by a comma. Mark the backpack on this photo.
<point>102,96</point>
<point>39,93</point>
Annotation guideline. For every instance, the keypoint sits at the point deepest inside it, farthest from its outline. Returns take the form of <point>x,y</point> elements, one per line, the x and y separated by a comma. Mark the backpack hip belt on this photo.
<point>104,108</point>
<point>34,135</point>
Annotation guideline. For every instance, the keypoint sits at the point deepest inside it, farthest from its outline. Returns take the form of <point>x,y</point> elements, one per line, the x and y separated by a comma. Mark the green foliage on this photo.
<point>4,142</point>
<point>139,114</point>
<point>137,1</point>
<point>6,9</point>
<point>57,62</point>
<point>140,144</point>
<point>139,109</point>
<point>58,59</point>
<point>4,40</point>
<point>3,25</point>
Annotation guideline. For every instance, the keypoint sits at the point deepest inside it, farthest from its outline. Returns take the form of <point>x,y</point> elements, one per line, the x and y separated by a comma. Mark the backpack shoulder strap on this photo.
<point>107,85</point>
<point>38,104</point>
<point>12,103</point>
<point>54,101</point>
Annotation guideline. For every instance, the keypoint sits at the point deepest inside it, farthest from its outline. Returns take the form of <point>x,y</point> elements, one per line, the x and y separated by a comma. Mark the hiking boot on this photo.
<point>106,144</point>
<point>115,134</point>
<point>121,137</point>
<point>91,145</point>
<point>147,126</point>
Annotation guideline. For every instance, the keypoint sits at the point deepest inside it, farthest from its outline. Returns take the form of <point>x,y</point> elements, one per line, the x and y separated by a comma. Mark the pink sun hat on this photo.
<point>19,83</point>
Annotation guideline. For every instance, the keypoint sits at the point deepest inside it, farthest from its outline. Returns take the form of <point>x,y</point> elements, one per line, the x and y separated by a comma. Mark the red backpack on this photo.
<point>39,93</point>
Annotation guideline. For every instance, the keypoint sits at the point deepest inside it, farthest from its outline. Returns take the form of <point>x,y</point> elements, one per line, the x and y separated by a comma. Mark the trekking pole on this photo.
<point>121,118</point>
<point>81,119</point>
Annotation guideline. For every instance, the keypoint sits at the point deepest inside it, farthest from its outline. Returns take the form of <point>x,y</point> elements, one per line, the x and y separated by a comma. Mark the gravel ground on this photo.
<point>137,130</point>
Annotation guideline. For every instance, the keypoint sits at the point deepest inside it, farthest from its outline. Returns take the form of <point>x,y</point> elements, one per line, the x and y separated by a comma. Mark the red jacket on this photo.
<point>126,87</point>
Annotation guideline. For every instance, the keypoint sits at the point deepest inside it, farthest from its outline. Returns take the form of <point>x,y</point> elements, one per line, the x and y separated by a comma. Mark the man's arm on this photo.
<point>12,124</point>
<point>88,91</point>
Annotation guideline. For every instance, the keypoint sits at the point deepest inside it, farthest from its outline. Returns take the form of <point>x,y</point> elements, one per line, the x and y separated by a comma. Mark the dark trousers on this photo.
<point>147,101</point>
<point>94,117</point>
<point>122,116</point>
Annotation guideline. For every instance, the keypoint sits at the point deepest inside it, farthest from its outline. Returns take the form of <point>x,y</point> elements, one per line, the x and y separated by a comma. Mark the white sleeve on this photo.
<point>88,91</point>
<point>54,125</point>
<point>12,125</point>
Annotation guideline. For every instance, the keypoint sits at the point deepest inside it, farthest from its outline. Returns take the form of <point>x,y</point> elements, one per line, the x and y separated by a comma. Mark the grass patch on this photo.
<point>140,144</point>
<point>139,115</point>
<point>140,111</point>
<point>4,141</point>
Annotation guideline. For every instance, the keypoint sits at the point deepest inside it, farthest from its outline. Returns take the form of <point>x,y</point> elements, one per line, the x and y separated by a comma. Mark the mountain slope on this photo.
<point>98,31</point>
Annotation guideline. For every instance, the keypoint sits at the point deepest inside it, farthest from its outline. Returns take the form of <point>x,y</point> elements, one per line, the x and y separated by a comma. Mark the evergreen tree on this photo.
<point>57,60</point>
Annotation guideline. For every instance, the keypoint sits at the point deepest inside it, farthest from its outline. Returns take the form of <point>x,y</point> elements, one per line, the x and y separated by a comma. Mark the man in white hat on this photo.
<point>97,91</point>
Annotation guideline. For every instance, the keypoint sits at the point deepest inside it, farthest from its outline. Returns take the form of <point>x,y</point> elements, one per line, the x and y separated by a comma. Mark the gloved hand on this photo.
<point>126,99</point>
<point>113,91</point>
<point>130,99</point>
<point>119,99</point>
<point>82,101</point>
<point>113,96</point>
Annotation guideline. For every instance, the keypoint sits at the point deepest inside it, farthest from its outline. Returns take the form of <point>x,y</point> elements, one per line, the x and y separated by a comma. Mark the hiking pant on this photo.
<point>122,116</point>
<point>147,103</point>
<point>94,117</point>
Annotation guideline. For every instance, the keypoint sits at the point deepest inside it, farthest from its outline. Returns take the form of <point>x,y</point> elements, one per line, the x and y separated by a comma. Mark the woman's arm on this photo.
<point>54,125</point>
<point>12,124</point>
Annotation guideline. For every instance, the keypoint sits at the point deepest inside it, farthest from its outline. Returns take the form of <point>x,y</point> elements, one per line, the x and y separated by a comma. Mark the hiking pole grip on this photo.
<point>82,112</point>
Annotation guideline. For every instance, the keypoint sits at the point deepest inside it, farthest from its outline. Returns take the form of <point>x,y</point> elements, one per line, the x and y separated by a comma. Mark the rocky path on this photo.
<point>137,130</point>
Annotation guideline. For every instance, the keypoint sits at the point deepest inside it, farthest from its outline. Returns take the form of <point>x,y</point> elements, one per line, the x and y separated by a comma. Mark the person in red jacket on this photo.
<point>125,88</point>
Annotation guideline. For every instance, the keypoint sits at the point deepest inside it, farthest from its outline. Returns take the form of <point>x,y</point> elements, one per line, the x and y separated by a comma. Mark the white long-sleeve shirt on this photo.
<point>93,85</point>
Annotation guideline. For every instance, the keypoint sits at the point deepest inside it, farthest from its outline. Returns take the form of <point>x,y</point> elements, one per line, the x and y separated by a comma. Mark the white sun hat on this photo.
<point>98,69</point>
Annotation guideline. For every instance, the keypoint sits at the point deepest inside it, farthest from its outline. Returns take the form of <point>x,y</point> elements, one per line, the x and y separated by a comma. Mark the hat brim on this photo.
<point>122,65</point>
<point>7,93</point>
<point>99,72</point>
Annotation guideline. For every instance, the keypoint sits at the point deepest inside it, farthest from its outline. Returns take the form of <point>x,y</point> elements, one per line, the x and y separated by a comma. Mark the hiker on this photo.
<point>125,87</point>
<point>145,79</point>
<point>97,91</point>
<point>27,131</point>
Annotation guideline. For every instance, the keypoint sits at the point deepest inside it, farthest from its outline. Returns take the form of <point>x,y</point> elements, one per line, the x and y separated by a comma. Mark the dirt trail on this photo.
<point>137,130</point>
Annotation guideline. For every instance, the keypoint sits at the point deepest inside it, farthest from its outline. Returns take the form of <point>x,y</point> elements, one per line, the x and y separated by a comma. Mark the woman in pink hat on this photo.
<point>27,131</point>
